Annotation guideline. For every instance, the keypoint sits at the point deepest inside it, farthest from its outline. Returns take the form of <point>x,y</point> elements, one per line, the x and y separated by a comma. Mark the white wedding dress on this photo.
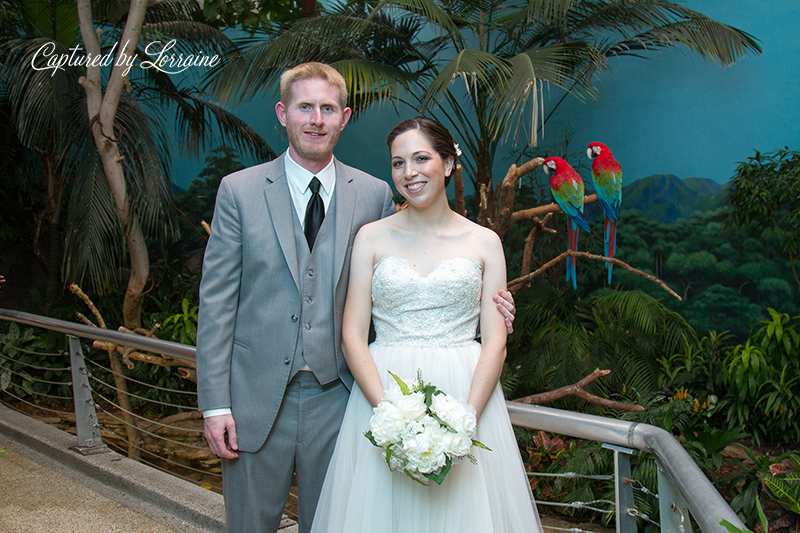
<point>428,324</point>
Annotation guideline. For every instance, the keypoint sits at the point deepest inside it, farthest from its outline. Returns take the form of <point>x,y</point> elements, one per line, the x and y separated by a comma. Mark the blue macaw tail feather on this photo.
<point>610,244</point>
<point>574,263</point>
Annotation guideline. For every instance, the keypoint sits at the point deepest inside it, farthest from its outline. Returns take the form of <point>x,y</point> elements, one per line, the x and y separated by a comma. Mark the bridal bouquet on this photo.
<point>422,430</point>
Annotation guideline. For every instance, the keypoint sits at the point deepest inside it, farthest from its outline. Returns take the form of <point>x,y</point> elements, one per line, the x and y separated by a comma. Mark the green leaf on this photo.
<point>480,445</point>
<point>438,478</point>
<point>429,391</point>
<point>403,387</point>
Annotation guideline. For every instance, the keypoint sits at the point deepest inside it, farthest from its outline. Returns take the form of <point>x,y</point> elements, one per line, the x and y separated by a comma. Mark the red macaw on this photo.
<point>607,177</point>
<point>567,188</point>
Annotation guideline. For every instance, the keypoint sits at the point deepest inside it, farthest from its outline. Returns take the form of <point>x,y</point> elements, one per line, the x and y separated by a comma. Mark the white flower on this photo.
<point>412,405</point>
<point>397,458</point>
<point>425,451</point>
<point>456,445</point>
<point>393,393</point>
<point>458,415</point>
<point>458,149</point>
<point>420,440</point>
<point>387,424</point>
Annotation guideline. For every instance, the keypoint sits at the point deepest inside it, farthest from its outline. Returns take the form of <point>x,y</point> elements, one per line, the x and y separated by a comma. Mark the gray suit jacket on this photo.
<point>250,297</point>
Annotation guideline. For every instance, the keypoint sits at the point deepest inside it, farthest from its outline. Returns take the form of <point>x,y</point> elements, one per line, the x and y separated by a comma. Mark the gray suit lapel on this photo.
<point>346,194</point>
<point>281,211</point>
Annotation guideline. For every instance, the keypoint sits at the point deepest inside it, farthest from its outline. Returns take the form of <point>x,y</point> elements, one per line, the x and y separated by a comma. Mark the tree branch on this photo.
<point>577,389</point>
<point>517,284</point>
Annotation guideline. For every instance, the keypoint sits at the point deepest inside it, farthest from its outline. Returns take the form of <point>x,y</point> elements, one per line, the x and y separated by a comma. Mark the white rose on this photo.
<point>456,445</point>
<point>412,406</point>
<point>387,424</point>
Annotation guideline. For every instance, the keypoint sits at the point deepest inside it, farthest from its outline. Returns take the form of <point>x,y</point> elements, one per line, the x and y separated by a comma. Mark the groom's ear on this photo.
<point>346,114</point>
<point>280,111</point>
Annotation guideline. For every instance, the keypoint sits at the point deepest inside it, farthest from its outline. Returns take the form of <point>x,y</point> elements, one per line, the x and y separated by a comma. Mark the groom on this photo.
<point>272,380</point>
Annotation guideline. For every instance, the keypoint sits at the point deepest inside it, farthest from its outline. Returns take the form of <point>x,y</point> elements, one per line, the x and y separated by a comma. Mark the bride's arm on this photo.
<point>357,315</point>
<point>493,327</point>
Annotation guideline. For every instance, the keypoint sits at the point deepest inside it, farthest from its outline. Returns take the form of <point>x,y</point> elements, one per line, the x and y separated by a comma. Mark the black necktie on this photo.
<point>315,212</point>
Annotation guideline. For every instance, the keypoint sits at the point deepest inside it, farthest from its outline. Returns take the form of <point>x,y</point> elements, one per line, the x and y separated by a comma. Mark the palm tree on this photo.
<point>502,51</point>
<point>50,115</point>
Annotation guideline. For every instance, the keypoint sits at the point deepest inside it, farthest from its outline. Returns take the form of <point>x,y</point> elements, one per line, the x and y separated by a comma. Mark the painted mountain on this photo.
<point>666,198</point>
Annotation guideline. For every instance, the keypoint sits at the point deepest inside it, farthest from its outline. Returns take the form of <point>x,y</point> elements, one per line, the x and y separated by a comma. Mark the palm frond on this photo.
<point>705,37</point>
<point>565,66</point>
<point>192,113</point>
<point>94,241</point>
<point>474,67</point>
<point>429,10</point>
<point>544,11</point>
<point>39,97</point>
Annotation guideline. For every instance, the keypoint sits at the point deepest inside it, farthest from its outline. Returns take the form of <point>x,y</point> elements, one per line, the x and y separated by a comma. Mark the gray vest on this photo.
<point>316,345</point>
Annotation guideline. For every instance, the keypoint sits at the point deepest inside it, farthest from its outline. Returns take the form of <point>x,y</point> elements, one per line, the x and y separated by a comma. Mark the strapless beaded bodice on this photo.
<point>437,310</point>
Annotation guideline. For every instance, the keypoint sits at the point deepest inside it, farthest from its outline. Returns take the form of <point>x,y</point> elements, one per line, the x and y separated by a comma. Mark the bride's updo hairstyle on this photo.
<point>440,138</point>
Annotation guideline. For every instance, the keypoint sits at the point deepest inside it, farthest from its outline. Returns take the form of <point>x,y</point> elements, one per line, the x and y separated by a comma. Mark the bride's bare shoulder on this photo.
<point>378,230</point>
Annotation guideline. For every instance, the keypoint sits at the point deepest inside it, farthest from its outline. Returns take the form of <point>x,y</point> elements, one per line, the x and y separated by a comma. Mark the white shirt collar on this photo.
<point>301,178</point>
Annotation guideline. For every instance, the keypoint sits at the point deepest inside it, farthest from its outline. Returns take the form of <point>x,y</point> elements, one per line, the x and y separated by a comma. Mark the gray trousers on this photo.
<point>256,485</point>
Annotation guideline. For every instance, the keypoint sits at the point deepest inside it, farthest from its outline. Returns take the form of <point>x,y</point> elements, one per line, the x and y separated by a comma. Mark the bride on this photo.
<point>426,277</point>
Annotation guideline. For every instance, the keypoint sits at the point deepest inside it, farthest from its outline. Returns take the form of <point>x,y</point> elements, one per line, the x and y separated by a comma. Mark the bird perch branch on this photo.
<point>517,284</point>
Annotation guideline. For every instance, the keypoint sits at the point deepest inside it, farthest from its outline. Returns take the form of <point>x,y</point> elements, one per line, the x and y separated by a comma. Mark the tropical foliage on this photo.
<point>766,192</point>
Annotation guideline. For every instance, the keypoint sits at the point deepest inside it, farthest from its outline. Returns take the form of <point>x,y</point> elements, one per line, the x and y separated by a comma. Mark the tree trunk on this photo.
<point>102,112</point>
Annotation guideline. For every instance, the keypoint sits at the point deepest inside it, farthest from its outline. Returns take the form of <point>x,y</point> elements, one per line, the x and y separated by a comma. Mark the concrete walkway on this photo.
<point>47,488</point>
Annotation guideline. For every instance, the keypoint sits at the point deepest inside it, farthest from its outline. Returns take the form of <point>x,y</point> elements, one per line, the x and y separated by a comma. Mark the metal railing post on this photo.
<point>674,511</point>
<point>623,489</point>
<point>89,440</point>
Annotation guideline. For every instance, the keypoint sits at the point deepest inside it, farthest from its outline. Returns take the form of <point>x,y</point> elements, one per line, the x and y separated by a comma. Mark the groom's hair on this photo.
<point>307,71</point>
<point>440,138</point>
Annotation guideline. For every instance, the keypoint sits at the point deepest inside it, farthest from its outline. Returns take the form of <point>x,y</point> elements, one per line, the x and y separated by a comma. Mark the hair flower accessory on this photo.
<point>458,149</point>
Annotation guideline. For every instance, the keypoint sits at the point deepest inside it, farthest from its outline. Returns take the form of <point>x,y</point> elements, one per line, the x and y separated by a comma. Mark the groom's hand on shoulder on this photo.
<point>505,304</point>
<point>220,432</point>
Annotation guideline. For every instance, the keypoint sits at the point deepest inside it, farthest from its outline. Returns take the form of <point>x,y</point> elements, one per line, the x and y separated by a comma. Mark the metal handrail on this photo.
<point>705,502</point>
<point>700,496</point>
<point>173,349</point>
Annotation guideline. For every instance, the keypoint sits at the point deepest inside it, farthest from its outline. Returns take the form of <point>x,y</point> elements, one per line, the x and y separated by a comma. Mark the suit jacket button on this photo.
<point>308,326</point>
<point>294,318</point>
<point>286,361</point>
<point>309,299</point>
<point>310,273</point>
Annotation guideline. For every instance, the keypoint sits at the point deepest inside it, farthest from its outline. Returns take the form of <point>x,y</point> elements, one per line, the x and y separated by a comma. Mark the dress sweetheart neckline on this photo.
<point>420,276</point>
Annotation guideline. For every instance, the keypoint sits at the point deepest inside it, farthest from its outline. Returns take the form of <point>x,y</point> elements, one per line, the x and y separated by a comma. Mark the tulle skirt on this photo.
<point>360,494</point>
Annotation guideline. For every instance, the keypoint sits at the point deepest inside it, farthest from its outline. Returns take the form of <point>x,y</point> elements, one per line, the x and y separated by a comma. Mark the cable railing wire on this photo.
<point>572,475</point>
<point>580,505</point>
<point>31,352</point>
<point>62,413</point>
<point>187,407</point>
<point>28,377</point>
<point>145,461</point>
<point>66,369</point>
<point>151,421</point>
<point>194,393</point>
<point>570,529</point>
<point>638,485</point>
